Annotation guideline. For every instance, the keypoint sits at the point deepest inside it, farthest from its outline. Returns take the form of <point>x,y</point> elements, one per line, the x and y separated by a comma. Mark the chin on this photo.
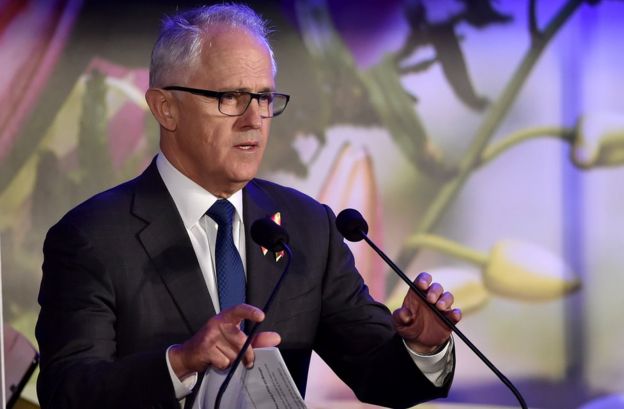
<point>246,173</point>
<point>242,180</point>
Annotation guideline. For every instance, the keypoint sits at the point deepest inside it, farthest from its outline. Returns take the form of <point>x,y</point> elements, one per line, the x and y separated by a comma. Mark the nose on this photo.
<point>251,117</point>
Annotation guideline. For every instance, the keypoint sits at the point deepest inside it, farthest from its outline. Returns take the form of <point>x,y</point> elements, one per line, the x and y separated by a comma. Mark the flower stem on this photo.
<point>448,247</point>
<point>516,138</point>
<point>491,121</point>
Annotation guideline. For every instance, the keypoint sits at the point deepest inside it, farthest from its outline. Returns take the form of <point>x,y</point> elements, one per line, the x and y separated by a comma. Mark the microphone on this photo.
<point>274,237</point>
<point>269,234</point>
<point>353,227</point>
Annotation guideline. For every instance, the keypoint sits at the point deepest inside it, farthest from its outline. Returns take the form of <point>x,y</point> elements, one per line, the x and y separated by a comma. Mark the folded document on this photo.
<point>268,385</point>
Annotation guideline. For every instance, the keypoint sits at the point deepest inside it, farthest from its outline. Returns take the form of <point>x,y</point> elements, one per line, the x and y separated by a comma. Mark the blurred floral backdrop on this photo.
<point>482,140</point>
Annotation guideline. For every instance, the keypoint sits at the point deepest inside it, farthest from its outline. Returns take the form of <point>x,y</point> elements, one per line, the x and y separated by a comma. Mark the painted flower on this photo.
<point>351,182</point>
<point>599,141</point>
<point>512,268</point>
<point>525,271</point>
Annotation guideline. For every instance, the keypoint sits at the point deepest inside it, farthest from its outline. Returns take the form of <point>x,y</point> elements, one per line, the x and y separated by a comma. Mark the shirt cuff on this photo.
<point>182,387</point>
<point>437,366</point>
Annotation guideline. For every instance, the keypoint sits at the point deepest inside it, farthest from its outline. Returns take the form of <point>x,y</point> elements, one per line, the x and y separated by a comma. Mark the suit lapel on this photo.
<point>167,243</point>
<point>262,270</point>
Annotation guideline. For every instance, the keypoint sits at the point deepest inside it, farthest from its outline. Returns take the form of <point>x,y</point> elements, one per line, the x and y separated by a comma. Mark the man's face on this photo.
<point>219,152</point>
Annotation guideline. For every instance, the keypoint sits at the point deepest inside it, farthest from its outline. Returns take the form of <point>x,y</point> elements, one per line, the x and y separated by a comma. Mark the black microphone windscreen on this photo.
<point>351,225</point>
<point>269,234</point>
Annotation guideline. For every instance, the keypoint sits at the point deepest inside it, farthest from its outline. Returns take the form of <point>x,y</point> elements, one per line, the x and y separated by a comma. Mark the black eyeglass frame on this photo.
<point>219,94</point>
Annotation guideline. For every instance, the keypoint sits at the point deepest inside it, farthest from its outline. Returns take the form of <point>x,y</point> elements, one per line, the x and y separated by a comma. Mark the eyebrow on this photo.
<point>246,89</point>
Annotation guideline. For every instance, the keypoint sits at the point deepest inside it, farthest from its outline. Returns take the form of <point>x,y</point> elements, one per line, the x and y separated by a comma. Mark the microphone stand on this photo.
<point>446,320</point>
<point>253,330</point>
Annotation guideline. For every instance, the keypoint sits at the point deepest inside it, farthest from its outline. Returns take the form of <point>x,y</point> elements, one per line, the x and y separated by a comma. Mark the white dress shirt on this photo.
<point>192,202</point>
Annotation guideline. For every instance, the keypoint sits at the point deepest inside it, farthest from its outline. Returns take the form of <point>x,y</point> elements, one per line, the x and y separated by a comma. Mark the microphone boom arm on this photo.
<point>253,330</point>
<point>446,320</point>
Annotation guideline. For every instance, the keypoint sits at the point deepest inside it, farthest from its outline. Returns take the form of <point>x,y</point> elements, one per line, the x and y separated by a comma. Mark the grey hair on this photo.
<point>180,41</point>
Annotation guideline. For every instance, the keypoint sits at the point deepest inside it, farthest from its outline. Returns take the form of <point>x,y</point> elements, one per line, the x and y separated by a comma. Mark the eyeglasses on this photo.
<point>235,103</point>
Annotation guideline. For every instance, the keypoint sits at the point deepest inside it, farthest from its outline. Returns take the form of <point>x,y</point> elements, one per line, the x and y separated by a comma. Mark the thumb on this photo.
<point>402,316</point>
<point>266,339</point>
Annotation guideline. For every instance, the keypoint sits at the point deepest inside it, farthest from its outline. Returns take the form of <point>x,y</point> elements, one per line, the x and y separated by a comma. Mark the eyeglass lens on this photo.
<point>236,103</point>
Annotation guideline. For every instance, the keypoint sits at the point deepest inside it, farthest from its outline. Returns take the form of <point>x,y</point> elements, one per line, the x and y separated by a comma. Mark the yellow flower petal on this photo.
<point>525,271</point>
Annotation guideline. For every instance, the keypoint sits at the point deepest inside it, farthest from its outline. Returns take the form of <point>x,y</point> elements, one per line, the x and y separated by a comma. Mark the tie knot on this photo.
<point>222,212</point>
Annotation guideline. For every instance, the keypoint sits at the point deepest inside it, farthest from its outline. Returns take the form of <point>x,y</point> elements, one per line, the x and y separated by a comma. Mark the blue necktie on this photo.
<point>230,271</point>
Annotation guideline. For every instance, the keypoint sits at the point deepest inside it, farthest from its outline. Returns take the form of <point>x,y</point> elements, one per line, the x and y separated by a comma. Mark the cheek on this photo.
<point>210,137</point>
<point>265,131</point>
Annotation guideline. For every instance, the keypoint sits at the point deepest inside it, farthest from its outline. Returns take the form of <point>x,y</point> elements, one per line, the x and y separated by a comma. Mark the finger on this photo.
<point>233,340</point>
<point>241,312</point>
<point>222,357</point>
<point>266,339</point>
<point>220,362</point>
<point>455,315</point>
<point>445,301</point>
<point>233,335</point>
<point>249,357</point>
<point>423,280</point>
<point>230,346</point>
<point>434,292</point>
<point>262,340</point>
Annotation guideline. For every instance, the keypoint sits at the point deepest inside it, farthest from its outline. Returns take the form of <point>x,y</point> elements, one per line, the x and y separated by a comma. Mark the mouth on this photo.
<point>247,146</point>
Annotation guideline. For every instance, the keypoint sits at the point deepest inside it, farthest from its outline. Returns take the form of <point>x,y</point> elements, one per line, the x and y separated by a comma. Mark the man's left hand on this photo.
<point>421,329</point>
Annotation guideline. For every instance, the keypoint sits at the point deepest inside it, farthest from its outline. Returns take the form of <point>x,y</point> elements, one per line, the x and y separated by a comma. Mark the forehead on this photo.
<point>233,58</point>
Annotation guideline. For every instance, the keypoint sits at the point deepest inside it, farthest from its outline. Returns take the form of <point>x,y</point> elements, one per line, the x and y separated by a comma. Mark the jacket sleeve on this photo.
<point>76,332</point>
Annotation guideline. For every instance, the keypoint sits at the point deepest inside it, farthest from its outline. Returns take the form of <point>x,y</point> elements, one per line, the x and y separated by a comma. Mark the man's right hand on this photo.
<point>218,342</point>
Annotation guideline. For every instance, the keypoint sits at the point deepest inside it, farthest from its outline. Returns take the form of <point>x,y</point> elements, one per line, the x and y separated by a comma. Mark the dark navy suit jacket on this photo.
<point>121,283</point>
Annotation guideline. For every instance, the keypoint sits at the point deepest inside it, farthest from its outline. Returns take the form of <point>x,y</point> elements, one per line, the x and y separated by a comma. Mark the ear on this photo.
<point>163,107</point>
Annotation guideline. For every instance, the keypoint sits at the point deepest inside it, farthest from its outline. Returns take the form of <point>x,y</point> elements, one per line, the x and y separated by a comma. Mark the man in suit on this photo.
<point>132,308</point>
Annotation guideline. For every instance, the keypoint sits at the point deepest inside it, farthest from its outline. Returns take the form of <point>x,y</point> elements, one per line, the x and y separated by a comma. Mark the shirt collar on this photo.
<point>191,199</point>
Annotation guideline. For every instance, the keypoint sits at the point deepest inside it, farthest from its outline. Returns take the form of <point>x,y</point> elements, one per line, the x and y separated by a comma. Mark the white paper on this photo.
<point>268,385</point>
